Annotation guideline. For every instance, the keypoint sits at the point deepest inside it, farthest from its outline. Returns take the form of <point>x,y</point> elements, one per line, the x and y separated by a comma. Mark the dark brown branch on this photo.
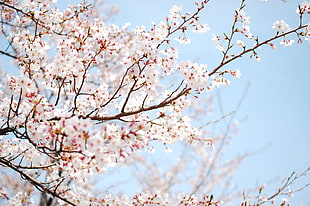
<point>289,181</point>
<point>86,68</point>
<point>8,54</point>
<point>6,130</point>
<point>254,48</point>
<point>33,181</point>
<point>14,8</point>
<point>136,79</point>
<point>121,83</point>
<point>157,106</point>
<point>59,91</point>
<point>183,23</point>
<point>233,31</point>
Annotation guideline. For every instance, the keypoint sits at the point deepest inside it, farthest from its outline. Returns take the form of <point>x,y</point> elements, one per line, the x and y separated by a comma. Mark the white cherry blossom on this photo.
<point>281,26</point>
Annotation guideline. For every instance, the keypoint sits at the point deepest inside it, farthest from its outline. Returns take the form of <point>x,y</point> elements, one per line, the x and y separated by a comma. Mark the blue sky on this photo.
<point>275,112</point>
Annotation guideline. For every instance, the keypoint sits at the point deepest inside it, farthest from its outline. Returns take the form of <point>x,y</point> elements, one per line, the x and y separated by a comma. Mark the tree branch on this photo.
<point>33,181</point>
<point>8,54</point>
<point>253,48</point>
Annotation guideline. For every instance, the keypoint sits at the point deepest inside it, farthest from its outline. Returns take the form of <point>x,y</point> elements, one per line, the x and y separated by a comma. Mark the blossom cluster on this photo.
<point>241,26</point>
<point>303,8</point>
<point>224,43</point>
<point>90,95</point>
<point>75,72</point>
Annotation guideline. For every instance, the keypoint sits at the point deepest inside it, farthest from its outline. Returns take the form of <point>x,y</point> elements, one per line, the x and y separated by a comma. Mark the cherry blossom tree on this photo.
<point>81,95</point>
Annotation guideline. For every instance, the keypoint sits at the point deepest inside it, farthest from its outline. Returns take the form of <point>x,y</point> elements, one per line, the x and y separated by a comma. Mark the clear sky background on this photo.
<point>275,112</point>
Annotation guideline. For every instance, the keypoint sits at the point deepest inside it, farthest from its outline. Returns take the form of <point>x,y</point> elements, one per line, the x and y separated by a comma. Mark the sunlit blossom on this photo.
<point>240,43</point>
<point>287,42</point>
<point>281,26</point>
